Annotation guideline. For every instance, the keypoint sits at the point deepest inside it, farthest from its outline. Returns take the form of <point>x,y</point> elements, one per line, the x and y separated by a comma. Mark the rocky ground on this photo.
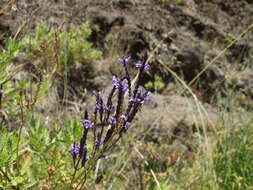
<point>183,37</point>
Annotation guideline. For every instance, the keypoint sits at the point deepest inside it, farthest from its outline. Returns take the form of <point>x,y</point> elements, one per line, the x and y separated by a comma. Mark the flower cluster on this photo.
<point>87,123</point>
<point>145,66</point>
<point>121,85</point>
<point>111,118</point>
<point>75,149</point>
<point>141,98</point>
<point>124,60</point>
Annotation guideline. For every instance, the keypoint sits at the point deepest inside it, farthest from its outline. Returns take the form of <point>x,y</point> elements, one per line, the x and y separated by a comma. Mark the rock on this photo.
<point>122,3</point>
<point>176,116</point>
<point>181,33</point>
<point>245,82</point>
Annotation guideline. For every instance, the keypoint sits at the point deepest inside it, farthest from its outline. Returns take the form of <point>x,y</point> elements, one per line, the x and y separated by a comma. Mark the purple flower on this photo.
<point>99,106</point>
<point>124,117</point>
<point>97,142</point>
<point>139,64</point>
<point>112,120</point>
<point>124,85</point>
<point>115,82</point>
<point>121,85</point>
<point>146,96</point>
<point>127,125</point>
<point>95,93</point>
<point>141,98</point>
<point>109,109</point>
<point>124,59</point>
<point>89,158</point>
<point>87,123</point>
<point>1,91</point>
<point>75,149</point>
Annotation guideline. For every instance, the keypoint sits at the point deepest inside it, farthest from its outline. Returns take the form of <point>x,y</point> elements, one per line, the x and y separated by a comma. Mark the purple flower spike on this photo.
<point>99,106</point>
<point>141,98</point>
<point>139,64</point>
<point>124,117</point>
<point>112,120</point>
<point>115,82</point>
<point>97,142</point>
<point>146,96</point>
<point>124,85</point>
<point>146,66</point>
<point>121,85</point>
<point>1,91</point>
<point>95,93</point>
<point>109,109</point>
<point>87,123</point>
<point>127,125</point>
<point>124,60</point>
<point>75,149</point>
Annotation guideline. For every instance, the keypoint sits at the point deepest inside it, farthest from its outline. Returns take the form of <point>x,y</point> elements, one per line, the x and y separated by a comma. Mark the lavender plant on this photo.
<point>109,121</point>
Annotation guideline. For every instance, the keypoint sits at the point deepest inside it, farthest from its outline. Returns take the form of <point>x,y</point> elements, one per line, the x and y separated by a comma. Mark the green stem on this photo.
<point>20,129</point>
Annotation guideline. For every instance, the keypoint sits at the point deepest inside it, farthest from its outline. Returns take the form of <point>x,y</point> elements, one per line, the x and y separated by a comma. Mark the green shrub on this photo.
<point>19,93</point>
<point>43,156</point>
<point>61,47</point>
<point>158,83</point>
